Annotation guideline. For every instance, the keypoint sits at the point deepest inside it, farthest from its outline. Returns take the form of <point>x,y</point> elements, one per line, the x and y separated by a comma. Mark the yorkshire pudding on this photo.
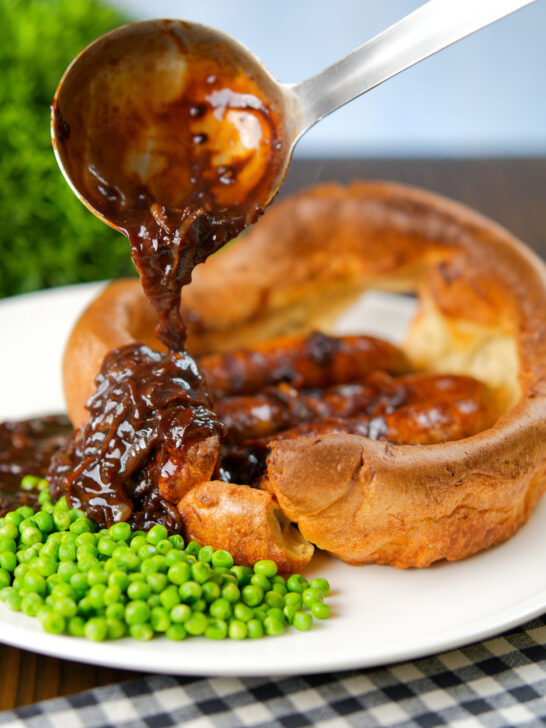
<point>482,313</point>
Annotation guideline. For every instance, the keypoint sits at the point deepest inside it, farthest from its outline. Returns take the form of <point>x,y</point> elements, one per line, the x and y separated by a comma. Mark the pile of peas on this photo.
<point>56,565</point>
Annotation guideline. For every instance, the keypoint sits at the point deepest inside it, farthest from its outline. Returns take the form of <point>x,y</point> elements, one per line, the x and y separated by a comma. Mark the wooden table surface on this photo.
<point>513,192</point>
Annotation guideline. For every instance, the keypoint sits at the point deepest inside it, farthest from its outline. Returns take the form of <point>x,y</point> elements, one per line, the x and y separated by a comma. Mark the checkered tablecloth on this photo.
<point>499,683</point>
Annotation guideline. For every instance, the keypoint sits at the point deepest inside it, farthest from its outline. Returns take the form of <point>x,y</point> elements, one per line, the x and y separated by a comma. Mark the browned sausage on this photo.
<point>313,361</point>
<point>415,424</point>
<point>283,407</point>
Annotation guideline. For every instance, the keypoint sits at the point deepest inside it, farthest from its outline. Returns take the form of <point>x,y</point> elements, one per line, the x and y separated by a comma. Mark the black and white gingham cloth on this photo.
<point>499,683</point>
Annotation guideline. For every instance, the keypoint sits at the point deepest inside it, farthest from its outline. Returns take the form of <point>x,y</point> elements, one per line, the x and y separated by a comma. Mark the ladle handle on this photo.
<point>427,30</point>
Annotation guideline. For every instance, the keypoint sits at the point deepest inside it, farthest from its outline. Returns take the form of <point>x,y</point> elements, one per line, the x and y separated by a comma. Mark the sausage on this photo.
<point>313,361</point>
<point>278,408</point>
<point>284,407</point>
<point>424,423</point>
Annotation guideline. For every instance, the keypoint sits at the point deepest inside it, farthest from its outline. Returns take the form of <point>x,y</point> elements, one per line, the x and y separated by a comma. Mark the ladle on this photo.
<point>175,113</point>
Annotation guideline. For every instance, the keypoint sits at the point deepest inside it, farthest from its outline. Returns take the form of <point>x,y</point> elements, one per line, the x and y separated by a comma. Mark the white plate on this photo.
<point>380,615</point>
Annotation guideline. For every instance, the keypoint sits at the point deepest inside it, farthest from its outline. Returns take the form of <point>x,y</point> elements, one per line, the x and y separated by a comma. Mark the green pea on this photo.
<point>8,561</point>
<point>176,632</point>
<point>237,630</point>
<point>293,599</point>
<point>97,575</point>
<point>76,626</point>
<point>280,589</point>
<point>138,590</point>
<point>273,599</point>
<point>9,532</point>
<point>116,629</point>
<point>177,541</point>
<point>193,548</point>
<point>320,610</point>
<point>61,519</point>
<point>169,597</point>
<point>44,522</point>
<point>310,596</point>
<point>252,595</point>
<point>190,591</point>
<point>137,542</point>
<point>220,609</point>
<point>107,546</point>
<point>179,573</point>
<point>180,613</point>
<point>7,544</point>
<point>200,572</point>
<point>255,629</point>
<point>115,611</point>
<point>302,621</point>
<point>81,525</point>
<point>242,612</point>
<point>141,631</point>
<point>146,551</point>
<point>120,531</point>
<point>296,583</point>
<point>262,581</point>
<point>157,533</point>
<point>205,554</point>
<point>66,607</point>
<point>31,535</point>
<point>266,567</point>
<point>25,511</point>
<point>96,629</point>
<point>163,547</point>
<point>273,626</point>
<point>222,559</point>
<point>211,591</point>
<point>137,612</point>
<point>12,517</point>
<point>216,629</point>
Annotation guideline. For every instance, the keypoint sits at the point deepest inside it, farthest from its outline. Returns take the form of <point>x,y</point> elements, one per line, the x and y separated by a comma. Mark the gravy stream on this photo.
<point>178,155</point>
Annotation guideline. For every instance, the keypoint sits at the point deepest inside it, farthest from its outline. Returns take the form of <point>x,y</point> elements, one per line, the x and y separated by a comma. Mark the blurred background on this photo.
<point>484,97</point>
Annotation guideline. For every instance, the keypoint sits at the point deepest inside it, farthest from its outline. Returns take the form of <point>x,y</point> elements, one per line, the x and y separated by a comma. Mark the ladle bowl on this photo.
<point>177,114</point>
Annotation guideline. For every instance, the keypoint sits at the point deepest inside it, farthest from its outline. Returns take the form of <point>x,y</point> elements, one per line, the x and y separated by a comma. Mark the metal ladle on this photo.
<point>125,137</point>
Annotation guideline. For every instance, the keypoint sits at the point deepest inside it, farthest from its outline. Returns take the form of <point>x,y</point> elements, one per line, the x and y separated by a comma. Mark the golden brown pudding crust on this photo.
<point>482,313</point>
